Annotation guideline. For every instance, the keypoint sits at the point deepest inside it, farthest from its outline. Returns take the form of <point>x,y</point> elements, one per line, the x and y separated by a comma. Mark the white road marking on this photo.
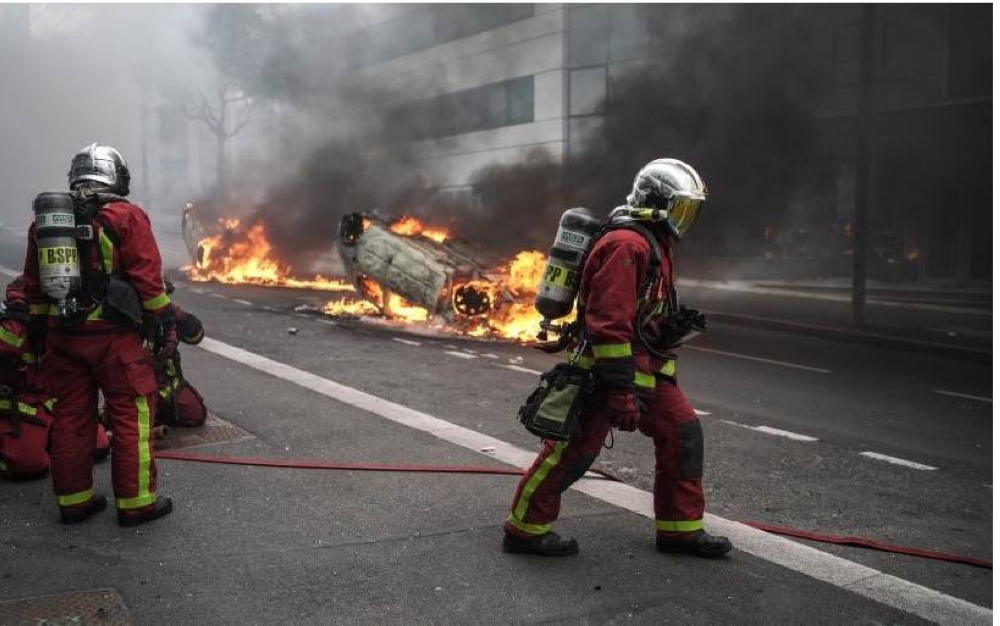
<point>962,395</point>
<point>518,368</point>
<point>9,272</point>
<point>490,355</point>
<point>867,582</point>
<point>243,302</point>
<point>767,430</point>
<point>461,355</point>
<point>797,366</point>
<point>408,342</point>
<point>217,295</point>
<point>699,412</point>
<point>897,461</point>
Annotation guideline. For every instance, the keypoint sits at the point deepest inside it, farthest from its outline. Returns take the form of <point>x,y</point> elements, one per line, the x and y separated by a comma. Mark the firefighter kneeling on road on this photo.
<point>25,408</point>
<point>25,411</point>
<point>179,403</point>
<point>627,299</point>
<point>93,267</point>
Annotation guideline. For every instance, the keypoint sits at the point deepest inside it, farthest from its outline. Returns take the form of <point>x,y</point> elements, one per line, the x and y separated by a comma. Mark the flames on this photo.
<point>411,227</point>
<point>244,256</point>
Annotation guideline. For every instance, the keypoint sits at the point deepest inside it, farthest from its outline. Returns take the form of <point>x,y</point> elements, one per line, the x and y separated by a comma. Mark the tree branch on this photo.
<point>245,121</point>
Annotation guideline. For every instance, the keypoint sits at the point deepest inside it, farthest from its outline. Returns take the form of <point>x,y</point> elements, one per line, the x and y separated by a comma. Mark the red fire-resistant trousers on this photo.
<point>23,449</point>
<point>676,432</point>
<point>76,366</point>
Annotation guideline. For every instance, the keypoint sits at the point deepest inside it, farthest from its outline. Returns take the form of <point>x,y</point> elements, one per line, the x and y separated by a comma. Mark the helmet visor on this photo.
<point>682,214</point>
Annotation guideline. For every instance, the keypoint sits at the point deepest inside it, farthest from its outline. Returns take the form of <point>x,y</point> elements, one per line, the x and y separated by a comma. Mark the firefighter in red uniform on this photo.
<point>179,403</point>
<point>632,320</point>
<point>95,340</point>
<point>24,451</point>
<point>25,410</point>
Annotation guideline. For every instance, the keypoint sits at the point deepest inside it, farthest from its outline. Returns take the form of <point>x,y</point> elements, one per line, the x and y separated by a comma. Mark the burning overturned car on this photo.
<point>399,270</point>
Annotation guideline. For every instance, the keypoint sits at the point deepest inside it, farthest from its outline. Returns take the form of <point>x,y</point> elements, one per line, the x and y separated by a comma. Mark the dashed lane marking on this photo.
<point>963,395</point>
<point>735,355</point>
<point>212,294</point>
<point>767,430</point>
<point>243,302</point>
<point>461,355</point>
<point>701,413</point>
<point>490,355</point>
<point>897,461</point>
<point>518,368</point>
<point>867,582</point>
<point>408,342</point>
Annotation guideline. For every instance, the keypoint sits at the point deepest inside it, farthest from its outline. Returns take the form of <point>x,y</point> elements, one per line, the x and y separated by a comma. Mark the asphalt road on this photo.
<point>798,431</point>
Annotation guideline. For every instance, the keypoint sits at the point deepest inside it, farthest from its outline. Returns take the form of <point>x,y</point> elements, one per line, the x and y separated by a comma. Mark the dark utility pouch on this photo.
<point>121,303</point>
<point>553,409</point>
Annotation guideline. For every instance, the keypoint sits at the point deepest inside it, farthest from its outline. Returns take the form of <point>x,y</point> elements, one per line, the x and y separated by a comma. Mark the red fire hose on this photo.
<point>860,542</point>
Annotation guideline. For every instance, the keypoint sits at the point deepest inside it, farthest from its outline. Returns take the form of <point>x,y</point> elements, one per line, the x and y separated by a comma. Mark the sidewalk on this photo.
<point>275,546</point>
<point>954,322</point>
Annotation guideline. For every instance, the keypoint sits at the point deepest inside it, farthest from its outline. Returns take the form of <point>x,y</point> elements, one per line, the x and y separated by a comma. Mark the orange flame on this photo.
<point>411,227</point>
<point>238,257</point>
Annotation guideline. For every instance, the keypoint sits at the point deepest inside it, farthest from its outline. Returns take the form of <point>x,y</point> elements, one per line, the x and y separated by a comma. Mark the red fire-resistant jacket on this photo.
<point>129,248</point>
<point>615,272</point>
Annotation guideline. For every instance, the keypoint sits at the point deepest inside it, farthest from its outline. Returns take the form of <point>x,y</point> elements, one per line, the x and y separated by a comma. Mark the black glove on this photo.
<point>681,326</point>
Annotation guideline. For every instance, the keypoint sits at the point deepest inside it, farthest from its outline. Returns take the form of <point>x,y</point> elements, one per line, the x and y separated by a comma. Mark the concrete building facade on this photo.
<point>481,84</point>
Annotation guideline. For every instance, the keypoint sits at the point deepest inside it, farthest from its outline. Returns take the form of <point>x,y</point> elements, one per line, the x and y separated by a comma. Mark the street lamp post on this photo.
<point>863,165</point>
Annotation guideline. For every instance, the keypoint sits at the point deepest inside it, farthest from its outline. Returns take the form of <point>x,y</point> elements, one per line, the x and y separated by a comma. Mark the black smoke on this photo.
<point>716,86</point>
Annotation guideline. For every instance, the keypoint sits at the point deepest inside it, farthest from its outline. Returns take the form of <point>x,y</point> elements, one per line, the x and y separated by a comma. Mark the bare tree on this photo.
<point>236,35</point>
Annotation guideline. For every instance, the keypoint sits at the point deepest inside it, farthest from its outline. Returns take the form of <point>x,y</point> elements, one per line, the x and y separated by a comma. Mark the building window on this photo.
<point>588,35</point>
<point>970,60</point>
<point>911,42</point>
<point>430,26</point>
<point>506,103</point>
<point>588,89</point>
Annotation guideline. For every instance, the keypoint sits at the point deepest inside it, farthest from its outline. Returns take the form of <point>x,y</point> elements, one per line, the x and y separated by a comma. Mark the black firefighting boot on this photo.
<point>697,543</point>
<point>77,514</point>
<point>163,506</point>
<point>549,544</point>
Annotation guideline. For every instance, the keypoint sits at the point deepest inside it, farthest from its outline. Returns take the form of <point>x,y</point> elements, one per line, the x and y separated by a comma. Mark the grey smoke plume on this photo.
<point>716,90</point>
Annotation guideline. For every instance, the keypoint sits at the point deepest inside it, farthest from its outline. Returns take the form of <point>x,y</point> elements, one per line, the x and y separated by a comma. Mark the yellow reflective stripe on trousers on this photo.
<point>27,409</point>
<point>152,304</point>
<point>680,525</point>
<point>612,350</point>
<point>532,484</point>
<point>143,496</point>
<point>107,252</point>
<point>10,338</point>
<point>531,529</point>
<point>72,499</point>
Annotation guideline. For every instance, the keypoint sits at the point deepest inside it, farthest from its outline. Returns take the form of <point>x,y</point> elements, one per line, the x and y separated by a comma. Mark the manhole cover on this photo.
<point>214,430</point>
<point>96,607</point>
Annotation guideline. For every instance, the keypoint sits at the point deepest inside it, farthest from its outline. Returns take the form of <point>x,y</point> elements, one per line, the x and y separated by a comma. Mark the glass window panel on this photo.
<point>587,90</point>
<point>588,35</point>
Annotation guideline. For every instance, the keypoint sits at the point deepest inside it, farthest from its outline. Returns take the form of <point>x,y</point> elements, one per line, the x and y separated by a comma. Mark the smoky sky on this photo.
<point>714,86</point>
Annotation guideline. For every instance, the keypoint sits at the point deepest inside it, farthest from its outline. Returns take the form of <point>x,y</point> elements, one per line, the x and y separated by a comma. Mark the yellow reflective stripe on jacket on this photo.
<point>521,508</point>
<point>29,357</point>
<point>646,381</point>
<point>27,409</point>
<point>159,301</point>
<point>71,499</point>
<point>612,350</point>
<point>680,525</point>
<point>96,314</point>
<point>38,309</point>
<point>10,338</point>
<point>669,368</point>
<point>107,252</point>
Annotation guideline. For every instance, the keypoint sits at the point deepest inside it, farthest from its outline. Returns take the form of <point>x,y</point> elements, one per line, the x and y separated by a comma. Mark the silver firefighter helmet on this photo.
<point>102,165</point>
<point>669,191</point>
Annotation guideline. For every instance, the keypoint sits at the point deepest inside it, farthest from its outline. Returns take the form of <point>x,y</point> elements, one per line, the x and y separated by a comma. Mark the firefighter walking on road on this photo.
<point>93,269</point>
<point>630,321</point>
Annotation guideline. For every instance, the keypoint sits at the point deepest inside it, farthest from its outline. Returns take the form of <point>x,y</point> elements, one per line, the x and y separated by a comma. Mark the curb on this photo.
<point>879,340</point>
